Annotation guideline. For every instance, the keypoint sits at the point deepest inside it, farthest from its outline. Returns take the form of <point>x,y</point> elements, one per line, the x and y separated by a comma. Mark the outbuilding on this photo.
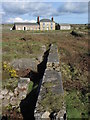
<point>65,27</point>
<point>26,26</point>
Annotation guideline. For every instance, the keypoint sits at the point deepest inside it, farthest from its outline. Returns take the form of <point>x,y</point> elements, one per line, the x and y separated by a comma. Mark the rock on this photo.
<point>24,63</point>
<point>1,97</point>
<point>56,64</point>
<point>22,87</point>
<point>4,92</point>
<point>5,102</point>
<point>60,114</point>
<point>49,64</point>
<point>23,83</point>
<point>16,92</point>
<point>45,114</point>
<point>22,95</point>
<point>25,79</point>
<point>11,94</point>
<point>13,101</point>
<point>8,97</point>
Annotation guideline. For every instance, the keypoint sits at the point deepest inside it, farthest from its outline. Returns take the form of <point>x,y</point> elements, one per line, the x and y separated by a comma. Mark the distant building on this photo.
<point>65,27</point>
<point>47,24</point>
<point>26,26</point>
<point>43,24</point>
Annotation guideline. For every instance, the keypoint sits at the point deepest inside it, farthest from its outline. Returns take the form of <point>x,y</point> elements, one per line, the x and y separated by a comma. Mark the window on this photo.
<point>51,27</point>
<point>43,27</point>
<point>51,24</point>
<point>47,24</point>
<point>43,24</point>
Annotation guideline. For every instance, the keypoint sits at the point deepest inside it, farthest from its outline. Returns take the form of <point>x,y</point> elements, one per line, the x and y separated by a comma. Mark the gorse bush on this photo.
<point>7,68</point>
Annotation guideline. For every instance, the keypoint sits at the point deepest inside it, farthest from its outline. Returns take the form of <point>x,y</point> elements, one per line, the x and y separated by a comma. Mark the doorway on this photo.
<point>24,28</point>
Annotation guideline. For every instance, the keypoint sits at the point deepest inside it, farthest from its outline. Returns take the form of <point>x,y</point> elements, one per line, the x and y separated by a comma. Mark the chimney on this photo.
<point>52,18</point>
<point>38,19</point>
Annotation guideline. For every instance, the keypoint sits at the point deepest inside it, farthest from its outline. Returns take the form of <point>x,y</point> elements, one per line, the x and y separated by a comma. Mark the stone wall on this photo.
<point>50,103</point>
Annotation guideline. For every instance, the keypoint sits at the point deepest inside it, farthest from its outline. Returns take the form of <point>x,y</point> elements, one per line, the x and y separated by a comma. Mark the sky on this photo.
<point>66,11</point>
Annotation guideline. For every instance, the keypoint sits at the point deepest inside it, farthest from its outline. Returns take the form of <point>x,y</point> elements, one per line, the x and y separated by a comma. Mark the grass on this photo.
<point>74,61</point>
<point>75,108</point>
<point>30,87</point>
<point>10,83</point>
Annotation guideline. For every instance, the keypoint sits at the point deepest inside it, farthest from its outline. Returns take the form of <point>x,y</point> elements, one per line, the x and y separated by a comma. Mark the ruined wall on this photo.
<point>50,103</point>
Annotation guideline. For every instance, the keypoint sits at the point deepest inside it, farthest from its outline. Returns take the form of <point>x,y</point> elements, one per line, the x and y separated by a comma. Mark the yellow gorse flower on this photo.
<point>9,69</point>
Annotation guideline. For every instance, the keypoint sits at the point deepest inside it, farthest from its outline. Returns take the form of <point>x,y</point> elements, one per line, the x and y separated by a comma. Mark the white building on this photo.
<point>65,27</point>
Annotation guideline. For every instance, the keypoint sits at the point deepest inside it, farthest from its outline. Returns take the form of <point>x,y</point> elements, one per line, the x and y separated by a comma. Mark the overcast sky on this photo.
<point>63,12</point>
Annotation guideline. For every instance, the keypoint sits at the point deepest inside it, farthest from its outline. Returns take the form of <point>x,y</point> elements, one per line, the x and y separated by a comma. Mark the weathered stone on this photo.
<point>5,102</point>
<point>16,91</point>
<point>61,114</point>
<point>7,97</point>
<point>11,94</point>
<point>49,64</point>
<point>51,85</point>
<point>22,95</point>
<point>45,115</point>
<point>13,101</point>
<point>24,63</point>
<point>27,80</point>
<point>1,97</point>
<point>4,92</point>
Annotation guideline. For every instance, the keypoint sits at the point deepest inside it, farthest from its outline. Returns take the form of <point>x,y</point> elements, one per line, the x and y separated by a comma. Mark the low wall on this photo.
<point>50,103</point>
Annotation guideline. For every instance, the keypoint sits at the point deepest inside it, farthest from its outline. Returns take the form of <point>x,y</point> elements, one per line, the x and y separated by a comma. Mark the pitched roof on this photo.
<point>46,20</point>
<point>65,24</point>
<point>24,23</point>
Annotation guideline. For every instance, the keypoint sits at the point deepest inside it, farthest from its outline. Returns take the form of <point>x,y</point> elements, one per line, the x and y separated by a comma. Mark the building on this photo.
<point>47,24</point>
<point>26,26</point>
<point>65,27</point>
<point>43,24</point>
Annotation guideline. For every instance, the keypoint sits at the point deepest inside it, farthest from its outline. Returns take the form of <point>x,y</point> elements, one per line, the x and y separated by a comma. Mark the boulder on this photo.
<point>45,115</point>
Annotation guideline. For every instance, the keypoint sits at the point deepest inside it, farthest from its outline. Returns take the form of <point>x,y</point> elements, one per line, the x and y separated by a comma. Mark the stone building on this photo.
<point>26,26</point>
<point>43,24</point>
<point>65,27</point>
<point>47,24</point>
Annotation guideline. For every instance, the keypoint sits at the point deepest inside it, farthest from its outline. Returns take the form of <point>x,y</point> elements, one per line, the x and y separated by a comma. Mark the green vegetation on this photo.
<point>10,83</point>
<point>7,69</point>
<point>75,107</point>
<point>50,101</point>
<point>74,61</point>
<point>30,87</point>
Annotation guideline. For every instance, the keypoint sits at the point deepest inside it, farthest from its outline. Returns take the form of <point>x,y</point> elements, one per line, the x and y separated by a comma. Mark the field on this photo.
<point>73,53</point>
